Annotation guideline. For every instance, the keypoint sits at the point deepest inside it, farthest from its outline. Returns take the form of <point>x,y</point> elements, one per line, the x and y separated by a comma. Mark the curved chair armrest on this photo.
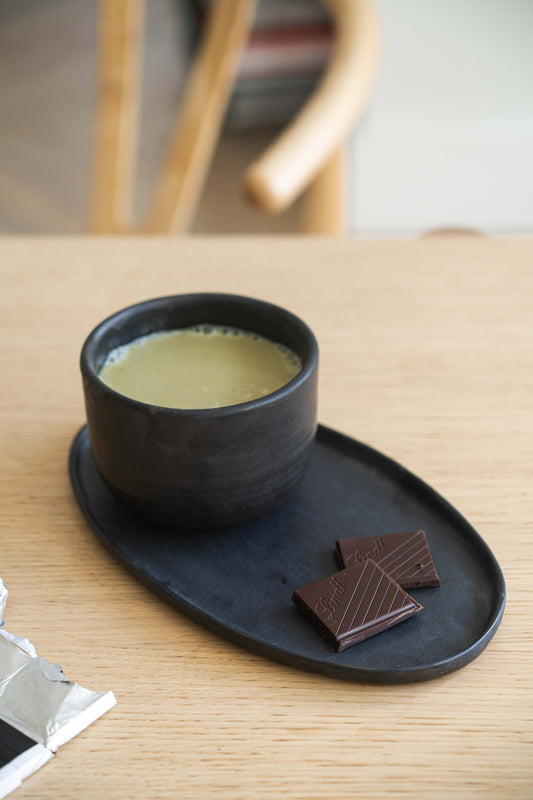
<point>303,148</point>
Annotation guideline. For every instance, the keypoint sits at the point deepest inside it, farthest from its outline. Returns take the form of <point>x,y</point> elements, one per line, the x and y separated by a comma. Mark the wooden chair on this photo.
<point>306,157</point>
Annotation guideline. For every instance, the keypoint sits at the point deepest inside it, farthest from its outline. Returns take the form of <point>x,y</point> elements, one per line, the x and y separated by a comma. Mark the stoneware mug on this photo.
<point>202,468</point>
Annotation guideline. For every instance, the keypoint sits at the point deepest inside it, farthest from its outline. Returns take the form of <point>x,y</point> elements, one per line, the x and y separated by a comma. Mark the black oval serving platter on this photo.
<point>239,581</point>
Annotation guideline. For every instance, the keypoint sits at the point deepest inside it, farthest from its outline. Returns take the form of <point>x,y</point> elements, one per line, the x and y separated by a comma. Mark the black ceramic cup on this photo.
<point>202,468</point>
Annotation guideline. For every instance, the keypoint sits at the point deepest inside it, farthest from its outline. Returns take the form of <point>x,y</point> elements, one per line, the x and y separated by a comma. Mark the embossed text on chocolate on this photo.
<point>327,606</point>
<point>357,556</point>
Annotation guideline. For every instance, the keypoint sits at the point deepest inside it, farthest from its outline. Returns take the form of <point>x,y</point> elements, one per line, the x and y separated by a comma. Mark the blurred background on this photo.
<point>445,142</point>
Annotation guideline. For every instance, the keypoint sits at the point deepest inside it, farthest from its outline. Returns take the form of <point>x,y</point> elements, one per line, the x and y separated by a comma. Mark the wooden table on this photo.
<point>426,354</point>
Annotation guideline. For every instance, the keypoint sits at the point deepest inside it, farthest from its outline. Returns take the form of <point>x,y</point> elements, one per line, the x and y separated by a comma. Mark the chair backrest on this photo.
<point>306,154</point>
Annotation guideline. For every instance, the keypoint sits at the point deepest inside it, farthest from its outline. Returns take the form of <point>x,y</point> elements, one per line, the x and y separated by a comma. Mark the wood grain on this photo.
<point>426,353</point>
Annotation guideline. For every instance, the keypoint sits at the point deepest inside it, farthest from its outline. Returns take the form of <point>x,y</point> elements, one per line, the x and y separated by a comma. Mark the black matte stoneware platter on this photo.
<point>239,581</point>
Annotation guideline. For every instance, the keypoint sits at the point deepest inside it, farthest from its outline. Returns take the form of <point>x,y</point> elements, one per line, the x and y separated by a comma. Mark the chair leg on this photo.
<point>200,117</point>
<point>120,48</point>
<point>324,202</point>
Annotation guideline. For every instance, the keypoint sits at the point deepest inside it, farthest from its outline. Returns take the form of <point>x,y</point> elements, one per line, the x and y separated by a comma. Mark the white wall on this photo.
<point>448,139</point>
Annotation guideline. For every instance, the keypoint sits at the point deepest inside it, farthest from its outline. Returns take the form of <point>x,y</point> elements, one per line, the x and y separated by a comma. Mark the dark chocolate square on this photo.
<point>354,604</point>
<point>12,743</point>
<point>404,556</point>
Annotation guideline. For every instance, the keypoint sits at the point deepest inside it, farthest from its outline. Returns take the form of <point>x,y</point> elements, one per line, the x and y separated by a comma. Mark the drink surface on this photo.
<point>205,366</point>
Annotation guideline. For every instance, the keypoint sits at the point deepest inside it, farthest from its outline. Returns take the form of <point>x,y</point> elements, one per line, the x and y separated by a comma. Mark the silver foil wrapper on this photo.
<point>37,699</point>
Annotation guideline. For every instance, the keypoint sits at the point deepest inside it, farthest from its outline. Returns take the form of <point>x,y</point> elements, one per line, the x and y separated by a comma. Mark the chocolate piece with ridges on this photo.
<point>354,604</point>
<point>404,556</point>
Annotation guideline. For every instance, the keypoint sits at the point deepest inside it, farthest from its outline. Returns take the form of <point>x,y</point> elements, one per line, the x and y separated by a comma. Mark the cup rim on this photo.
<point>88,370</point>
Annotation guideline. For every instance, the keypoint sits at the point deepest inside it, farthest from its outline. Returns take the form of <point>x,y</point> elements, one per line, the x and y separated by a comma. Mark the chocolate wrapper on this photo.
<point>39,707</point>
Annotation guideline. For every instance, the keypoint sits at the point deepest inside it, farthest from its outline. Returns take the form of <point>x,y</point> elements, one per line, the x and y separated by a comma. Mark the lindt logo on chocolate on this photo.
<point>357,556</point>
<point>329,605</point>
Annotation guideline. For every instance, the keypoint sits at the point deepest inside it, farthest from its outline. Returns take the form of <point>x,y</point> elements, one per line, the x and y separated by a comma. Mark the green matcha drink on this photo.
<point>205,366</point>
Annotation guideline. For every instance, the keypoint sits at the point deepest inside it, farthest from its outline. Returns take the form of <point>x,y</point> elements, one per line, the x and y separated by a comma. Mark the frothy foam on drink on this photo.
<point>204,366</point>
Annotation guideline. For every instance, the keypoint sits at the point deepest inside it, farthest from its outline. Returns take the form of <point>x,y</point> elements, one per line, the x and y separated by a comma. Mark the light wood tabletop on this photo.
<point>427,355</point>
